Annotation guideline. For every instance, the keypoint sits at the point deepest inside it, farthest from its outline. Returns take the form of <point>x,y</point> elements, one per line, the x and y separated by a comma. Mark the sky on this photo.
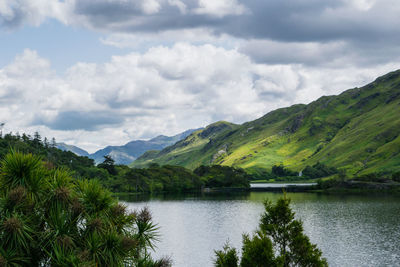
<point>105,72</point>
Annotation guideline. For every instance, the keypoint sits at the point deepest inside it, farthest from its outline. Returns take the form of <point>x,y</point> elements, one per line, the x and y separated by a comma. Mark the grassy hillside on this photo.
<point>192,147</point>
<point>129,152</point>
<point>357,130</point>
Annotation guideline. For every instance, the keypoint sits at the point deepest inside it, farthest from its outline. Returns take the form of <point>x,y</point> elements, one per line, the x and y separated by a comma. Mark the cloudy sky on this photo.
<point>104,72</point>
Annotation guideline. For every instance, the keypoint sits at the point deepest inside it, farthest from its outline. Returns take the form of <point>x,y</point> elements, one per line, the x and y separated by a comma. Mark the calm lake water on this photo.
<point>280,185</point>
<point>351,230</point>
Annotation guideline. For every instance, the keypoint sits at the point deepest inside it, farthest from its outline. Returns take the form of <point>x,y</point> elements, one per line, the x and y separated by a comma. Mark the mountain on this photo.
<point>357,131</point>
<point>74,149</point>
<point>189,151</point>
<point>129,152</point>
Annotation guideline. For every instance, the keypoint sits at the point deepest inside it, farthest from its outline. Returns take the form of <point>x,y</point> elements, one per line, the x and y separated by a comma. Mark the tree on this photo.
<point>25,138</point>
<point>109,165</point>
<point>53,143</point>
<point>396,176</point>
<point>46,142</point>
<point>37,139</point>
<point>49,219</point>
<point>226,257</point>
<point>1,128</point>
<point>280,241</point>
<point>280,171</point>
<point>257,251</point>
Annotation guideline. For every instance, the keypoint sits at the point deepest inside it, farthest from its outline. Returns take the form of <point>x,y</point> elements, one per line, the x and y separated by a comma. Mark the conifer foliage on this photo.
<point>280,241</point>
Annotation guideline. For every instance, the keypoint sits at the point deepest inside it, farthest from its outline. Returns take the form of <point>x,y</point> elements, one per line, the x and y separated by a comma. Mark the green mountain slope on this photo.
<point>192,147</point>
<point>357,130</point>
<point>127,153</point>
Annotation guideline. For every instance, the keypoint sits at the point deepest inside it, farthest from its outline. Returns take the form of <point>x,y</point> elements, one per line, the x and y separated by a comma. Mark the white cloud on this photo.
<point>151,6</point>
<point>362,4</point>
<point>204,60</point>
<point>162,91</point>
<point>179,4</point>
<point>220,8</point>
<point>195,36</point>
<point>14,13</point>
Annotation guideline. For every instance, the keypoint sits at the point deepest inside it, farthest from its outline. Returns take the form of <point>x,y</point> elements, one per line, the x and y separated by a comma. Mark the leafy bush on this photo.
<point>222,176</point>
<point>372,177</point>
<point>319,170</point>
<point>160,179</point>
<point>396,176</point>
<point>281,171</point>
<point>49,219</point>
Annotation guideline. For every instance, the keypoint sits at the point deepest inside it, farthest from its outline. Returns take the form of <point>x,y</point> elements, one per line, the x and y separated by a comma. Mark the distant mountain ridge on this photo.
<point>74,149</point>
<point>357,131</point>
<point>129,152</point>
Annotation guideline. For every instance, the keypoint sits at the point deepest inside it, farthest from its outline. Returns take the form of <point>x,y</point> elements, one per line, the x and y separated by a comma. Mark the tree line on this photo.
<point>121,178</point>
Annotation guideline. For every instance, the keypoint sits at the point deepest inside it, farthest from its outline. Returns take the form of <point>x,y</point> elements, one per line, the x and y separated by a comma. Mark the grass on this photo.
<point>358,131</point>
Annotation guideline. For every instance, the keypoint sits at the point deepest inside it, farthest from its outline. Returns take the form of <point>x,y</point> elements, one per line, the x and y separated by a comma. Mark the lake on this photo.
<point>280,185</point>
<point>351,230</point>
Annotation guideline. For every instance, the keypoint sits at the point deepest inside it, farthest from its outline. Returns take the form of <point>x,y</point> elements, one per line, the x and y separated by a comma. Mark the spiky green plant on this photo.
<point>49,219</point>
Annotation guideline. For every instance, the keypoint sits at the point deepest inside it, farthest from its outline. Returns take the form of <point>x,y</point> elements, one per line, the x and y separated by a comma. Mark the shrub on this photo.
<point>49,219</point>
<point>396,176</point>
<point>319,170</point>
<point>281,171</point>
<point>223,176</point>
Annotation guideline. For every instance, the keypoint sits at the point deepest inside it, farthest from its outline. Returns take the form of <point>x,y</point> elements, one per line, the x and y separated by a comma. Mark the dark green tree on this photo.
<point>396,176</point>
<point>280,241</point>
<point>53,143</point>
<point>37,139</point>
<point>281,171</point>
<point>294,247</point>
<point>109,165</point>
<point>257,251</point>
<point>227,257</point>
<point>1,128</point>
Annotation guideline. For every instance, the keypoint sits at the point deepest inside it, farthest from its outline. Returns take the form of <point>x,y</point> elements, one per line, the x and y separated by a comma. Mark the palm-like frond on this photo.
<point>94,197</point>
<point>25,170</point>
<point>147,232</point>
<point>149,262</point>
<point>93,245</point>
<point>61,257</point>
<point>11,258</point>
<point>16,233</point>
<point>121,221</point>
<point>113,253</point>
<point>49,219</point>
<point>61,229</point>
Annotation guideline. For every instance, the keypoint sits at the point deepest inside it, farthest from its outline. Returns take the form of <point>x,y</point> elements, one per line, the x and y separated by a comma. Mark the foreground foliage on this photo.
<point>279,241</point>
<point>49,219</point>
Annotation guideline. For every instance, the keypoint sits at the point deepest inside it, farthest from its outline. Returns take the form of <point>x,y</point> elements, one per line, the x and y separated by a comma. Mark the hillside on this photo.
<point>74,149</point>
<point>184,151</point>
<point>81,166</point>
<point>129,152</point>
<point>357,131</point>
